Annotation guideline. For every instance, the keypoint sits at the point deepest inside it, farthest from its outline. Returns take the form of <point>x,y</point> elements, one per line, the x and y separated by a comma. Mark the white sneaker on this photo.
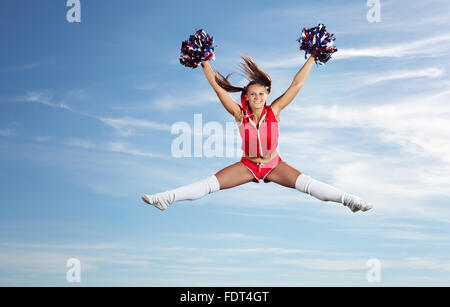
<point>155,201</point>
<point>356,204</point>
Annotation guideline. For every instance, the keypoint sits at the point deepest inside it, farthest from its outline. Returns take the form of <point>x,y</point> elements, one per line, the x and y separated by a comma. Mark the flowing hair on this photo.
<point>251,72</point>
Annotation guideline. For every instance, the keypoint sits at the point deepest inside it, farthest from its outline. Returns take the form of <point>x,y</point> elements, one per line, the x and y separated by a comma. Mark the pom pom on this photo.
<point>317,41</point>
<point>198,48</point>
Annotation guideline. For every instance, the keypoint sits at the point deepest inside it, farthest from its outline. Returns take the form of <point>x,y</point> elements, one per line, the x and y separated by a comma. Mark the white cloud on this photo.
<point>124,148</point>
<point>427,263</point>
<point>145,86</point>
<point>433,46</point>
<point>224,252</point>
<point>419,124</point>
<point>50,259</point>
<point>35,246</point>
<point>322,264</point>
<point>24,67</point>
<point>174,100</point>
<point>170,102</point>
<point>213,270</point>
<point>41,138</point>
<point>126,126</point>
<point>227,236</point>
<point>43,98</point>
<point>75,142</point>
<point>36,262</point>
<point>77,94</point>
<point>398,180</point>
<point>432,72</point>
<point>415,235</point>
<point>193,260</point>
<point>401,233</point>
<point>430,46</point>
<point>6,132</point>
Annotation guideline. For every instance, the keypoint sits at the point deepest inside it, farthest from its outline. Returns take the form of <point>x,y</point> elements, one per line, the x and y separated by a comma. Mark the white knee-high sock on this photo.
<point>191,191</point>
<point>322,190</point>
<point>197,189</point>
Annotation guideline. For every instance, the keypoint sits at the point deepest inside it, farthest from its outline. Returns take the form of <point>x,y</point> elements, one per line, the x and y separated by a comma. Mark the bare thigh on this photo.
<point>283,174</point>
<point>234,175</point>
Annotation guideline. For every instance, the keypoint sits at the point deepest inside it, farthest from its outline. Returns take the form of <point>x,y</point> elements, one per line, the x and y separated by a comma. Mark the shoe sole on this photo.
<point>367,208</point>
<point>145,199</point>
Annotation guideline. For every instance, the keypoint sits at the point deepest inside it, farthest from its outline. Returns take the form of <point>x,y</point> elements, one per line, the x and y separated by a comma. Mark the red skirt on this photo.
<point>261,170</point>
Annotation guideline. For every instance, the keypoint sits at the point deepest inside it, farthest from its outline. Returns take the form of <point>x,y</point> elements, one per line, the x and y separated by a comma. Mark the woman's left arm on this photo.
<point>299,80</point>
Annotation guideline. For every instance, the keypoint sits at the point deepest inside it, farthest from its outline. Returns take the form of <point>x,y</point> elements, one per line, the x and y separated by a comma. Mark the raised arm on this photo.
<point>227,101</point>
<point>299,80</point>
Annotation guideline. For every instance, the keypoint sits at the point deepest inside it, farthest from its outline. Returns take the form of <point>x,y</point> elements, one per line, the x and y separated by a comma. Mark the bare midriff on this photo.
<point>262,159</point>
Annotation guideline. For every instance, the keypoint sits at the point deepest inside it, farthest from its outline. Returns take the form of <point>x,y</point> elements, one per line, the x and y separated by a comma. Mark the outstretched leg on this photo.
<point>288,176</point>
<point>234,175</point>
<point>231,176</point>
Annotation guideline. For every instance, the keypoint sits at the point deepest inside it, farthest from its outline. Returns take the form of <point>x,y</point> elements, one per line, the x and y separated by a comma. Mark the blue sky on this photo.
<point>86,114</point>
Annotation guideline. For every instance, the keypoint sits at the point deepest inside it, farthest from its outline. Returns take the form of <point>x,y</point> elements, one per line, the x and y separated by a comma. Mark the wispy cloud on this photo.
<point>226,236</point>
<point>416,235</point>
<point>34,262</point>
<point>196,260</point>
<point>433,47</point>
<point>167,101</point>
<point>43,98</point>
<point>6,132</point>
<point>224,252</point>
<point>47,98</point>
<point>170,102</point>
<point>400,233</point>
<point>36,246</point>
<point>418,124</point>
<point>126,126</point>
<point>54,262</point>
<point>82,143</point>
<point>41,138</point>
<point>405,142</point>
<point>123,259</point>
<point>145,86</point>
<point>321,264</point>
<point>124,148</point>
<point>24,67</point>
<point>428,263</point>
<point>432,72</point>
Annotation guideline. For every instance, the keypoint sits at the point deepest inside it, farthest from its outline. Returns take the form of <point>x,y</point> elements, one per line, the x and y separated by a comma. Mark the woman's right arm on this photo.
<point>227,101</point>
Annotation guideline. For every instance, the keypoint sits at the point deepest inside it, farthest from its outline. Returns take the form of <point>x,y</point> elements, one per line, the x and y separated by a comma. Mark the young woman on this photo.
<point>258,127</point>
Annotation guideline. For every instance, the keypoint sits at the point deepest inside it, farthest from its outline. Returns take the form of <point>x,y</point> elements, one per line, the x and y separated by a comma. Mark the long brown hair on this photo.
<point>251,71</point>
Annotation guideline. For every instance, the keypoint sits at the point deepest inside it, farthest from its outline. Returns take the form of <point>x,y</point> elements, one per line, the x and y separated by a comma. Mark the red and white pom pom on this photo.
<point>198,48</point>
<point>319,42</point>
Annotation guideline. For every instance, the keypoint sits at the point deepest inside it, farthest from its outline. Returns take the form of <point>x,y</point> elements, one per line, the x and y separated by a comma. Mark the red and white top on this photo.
<point>259,141</point>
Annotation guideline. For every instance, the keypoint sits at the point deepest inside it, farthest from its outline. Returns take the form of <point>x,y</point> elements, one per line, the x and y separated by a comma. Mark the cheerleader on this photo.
<point>258,126</point>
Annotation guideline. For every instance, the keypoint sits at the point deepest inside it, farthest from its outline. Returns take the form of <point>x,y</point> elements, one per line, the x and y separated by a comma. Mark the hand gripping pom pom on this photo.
<point>317,41</point>
<point>198,48</point>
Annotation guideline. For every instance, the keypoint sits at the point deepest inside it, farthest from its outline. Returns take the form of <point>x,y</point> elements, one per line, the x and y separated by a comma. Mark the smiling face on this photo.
<point>256,96</point>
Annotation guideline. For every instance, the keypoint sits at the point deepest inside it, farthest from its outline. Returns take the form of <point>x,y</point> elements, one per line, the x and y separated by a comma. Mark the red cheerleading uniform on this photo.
<point>259,141</point>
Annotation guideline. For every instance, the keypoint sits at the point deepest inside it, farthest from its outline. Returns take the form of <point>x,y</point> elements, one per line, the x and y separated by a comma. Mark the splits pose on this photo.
<point>258,127</point>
